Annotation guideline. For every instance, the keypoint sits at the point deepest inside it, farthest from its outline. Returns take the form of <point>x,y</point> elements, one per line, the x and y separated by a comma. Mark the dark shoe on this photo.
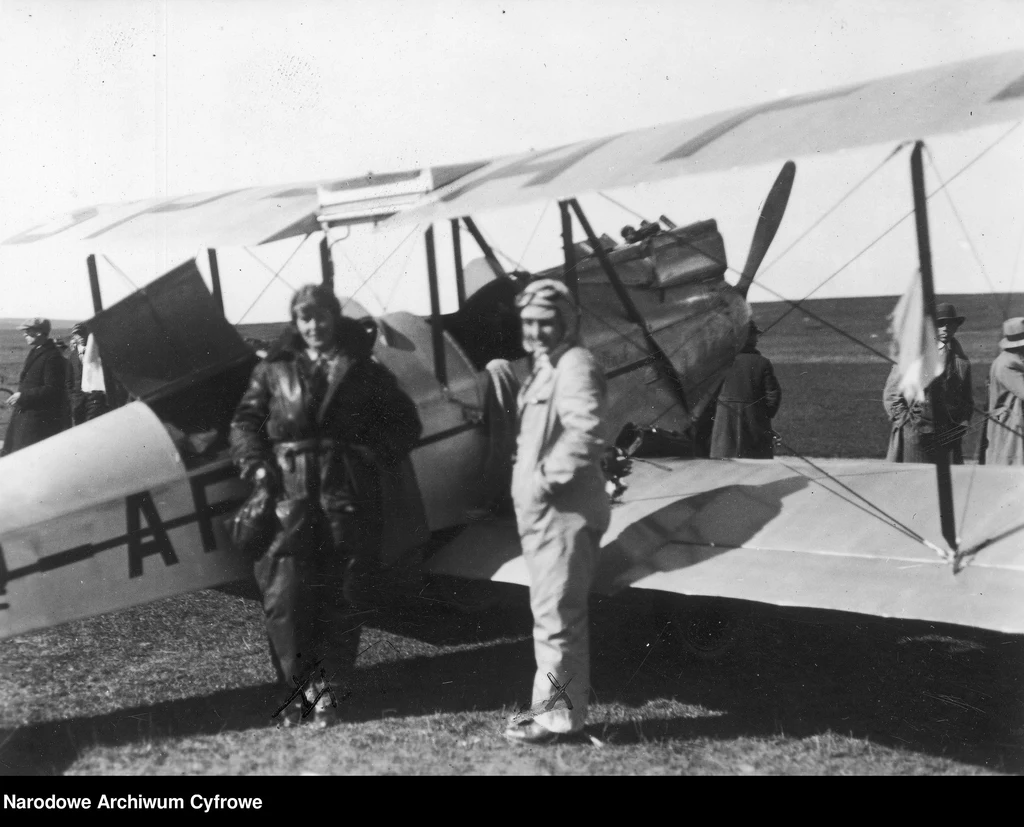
<point>532,734</point>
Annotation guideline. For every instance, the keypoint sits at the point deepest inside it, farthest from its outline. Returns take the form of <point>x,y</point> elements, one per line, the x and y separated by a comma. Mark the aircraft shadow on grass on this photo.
<point>792,673</point>
<point>906,685</point>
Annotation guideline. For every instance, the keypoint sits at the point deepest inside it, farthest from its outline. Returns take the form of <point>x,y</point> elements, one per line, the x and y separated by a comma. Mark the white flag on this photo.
<point>92,368</point>
<point>914,347</point>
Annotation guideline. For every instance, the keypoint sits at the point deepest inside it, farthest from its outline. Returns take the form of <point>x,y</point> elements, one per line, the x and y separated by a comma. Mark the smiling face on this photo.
<point>316,326</point>
<point>542,329</point>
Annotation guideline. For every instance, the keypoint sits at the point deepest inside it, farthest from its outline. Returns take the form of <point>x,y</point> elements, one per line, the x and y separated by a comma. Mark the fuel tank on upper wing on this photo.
<point>676,280</point>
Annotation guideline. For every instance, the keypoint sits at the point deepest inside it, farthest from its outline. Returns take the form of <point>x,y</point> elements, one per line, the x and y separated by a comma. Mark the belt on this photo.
<point>287,452</point>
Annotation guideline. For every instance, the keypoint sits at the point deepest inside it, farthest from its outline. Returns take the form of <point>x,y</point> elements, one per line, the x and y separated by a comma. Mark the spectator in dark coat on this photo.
<point>748,400</point>
<point>39,404</point>
<point>922,430</point>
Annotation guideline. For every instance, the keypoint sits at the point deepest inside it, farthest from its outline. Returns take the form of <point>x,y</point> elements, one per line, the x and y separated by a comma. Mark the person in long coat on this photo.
<point>921,430</point>
<point>1005,427</point>
<point>320,425</point>
<point>558,490</point>
<point>748,400</point>
<point>40,408</point>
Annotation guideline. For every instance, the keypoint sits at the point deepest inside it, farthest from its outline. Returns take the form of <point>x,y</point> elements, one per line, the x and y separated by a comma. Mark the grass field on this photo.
<point>184,686</point>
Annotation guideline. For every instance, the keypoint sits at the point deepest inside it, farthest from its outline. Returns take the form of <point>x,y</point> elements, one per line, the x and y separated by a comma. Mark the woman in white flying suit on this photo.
<point>561,506</point>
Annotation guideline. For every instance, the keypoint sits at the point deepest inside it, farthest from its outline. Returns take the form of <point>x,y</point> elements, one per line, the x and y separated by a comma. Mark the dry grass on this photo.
<point>183,687</point>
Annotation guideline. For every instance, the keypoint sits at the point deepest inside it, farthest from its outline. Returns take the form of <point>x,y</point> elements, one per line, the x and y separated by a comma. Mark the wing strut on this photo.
<point>659,356</point>
<point>326,263</point>
<point>946,515</point>
<point>218,297</point>
<point>460,275</point>
<point>483,245</point>
<point>569,251</point>
<point>436,328</point>
<point>94,283</point>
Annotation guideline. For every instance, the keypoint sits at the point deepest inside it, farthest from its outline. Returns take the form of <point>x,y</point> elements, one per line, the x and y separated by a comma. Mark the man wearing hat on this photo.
<point>922,430</point>
<point>39,404</point>
<point>562,510</point>
<point>747,401</point>
<point>1005,427</point>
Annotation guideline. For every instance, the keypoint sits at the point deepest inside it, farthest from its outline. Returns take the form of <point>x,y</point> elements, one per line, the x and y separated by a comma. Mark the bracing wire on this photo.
<point>963,228</point>
<point>849,193</point>
<point>385,260</point>
<point>274,275</point>
<point>277,273</point>
<point>120,272</point>
<point>355,270</point>
<point>963,169</point>
<point>398,281</point>
<point>622,206</point>
<point>800,238</point>
<point>536,226</point>
<point>871,509</point>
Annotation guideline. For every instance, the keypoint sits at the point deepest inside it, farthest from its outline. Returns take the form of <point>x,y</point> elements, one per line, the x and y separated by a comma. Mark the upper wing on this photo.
<point>914,105</point>
<point>230,218</point>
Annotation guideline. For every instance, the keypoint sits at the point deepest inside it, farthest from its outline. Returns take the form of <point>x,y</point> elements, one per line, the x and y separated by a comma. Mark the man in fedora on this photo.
<point>39,404</point>
<point>1005,427</point>
<point>921,431</point>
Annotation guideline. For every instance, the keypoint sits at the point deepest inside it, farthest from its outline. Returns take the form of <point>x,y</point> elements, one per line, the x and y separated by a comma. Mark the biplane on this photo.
<point>129,507</point>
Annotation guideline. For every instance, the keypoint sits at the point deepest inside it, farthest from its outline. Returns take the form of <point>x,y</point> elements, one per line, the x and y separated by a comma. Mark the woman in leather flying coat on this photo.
<point>319,423</point>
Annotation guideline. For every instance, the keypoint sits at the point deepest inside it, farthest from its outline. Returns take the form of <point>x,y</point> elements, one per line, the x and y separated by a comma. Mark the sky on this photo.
<point>111,100</point>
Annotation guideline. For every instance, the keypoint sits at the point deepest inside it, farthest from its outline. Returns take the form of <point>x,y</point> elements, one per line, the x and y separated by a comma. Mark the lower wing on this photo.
<point>849,535</point>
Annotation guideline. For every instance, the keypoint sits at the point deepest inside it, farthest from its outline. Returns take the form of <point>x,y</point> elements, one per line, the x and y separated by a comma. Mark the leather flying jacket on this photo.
<point>363,409</point>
